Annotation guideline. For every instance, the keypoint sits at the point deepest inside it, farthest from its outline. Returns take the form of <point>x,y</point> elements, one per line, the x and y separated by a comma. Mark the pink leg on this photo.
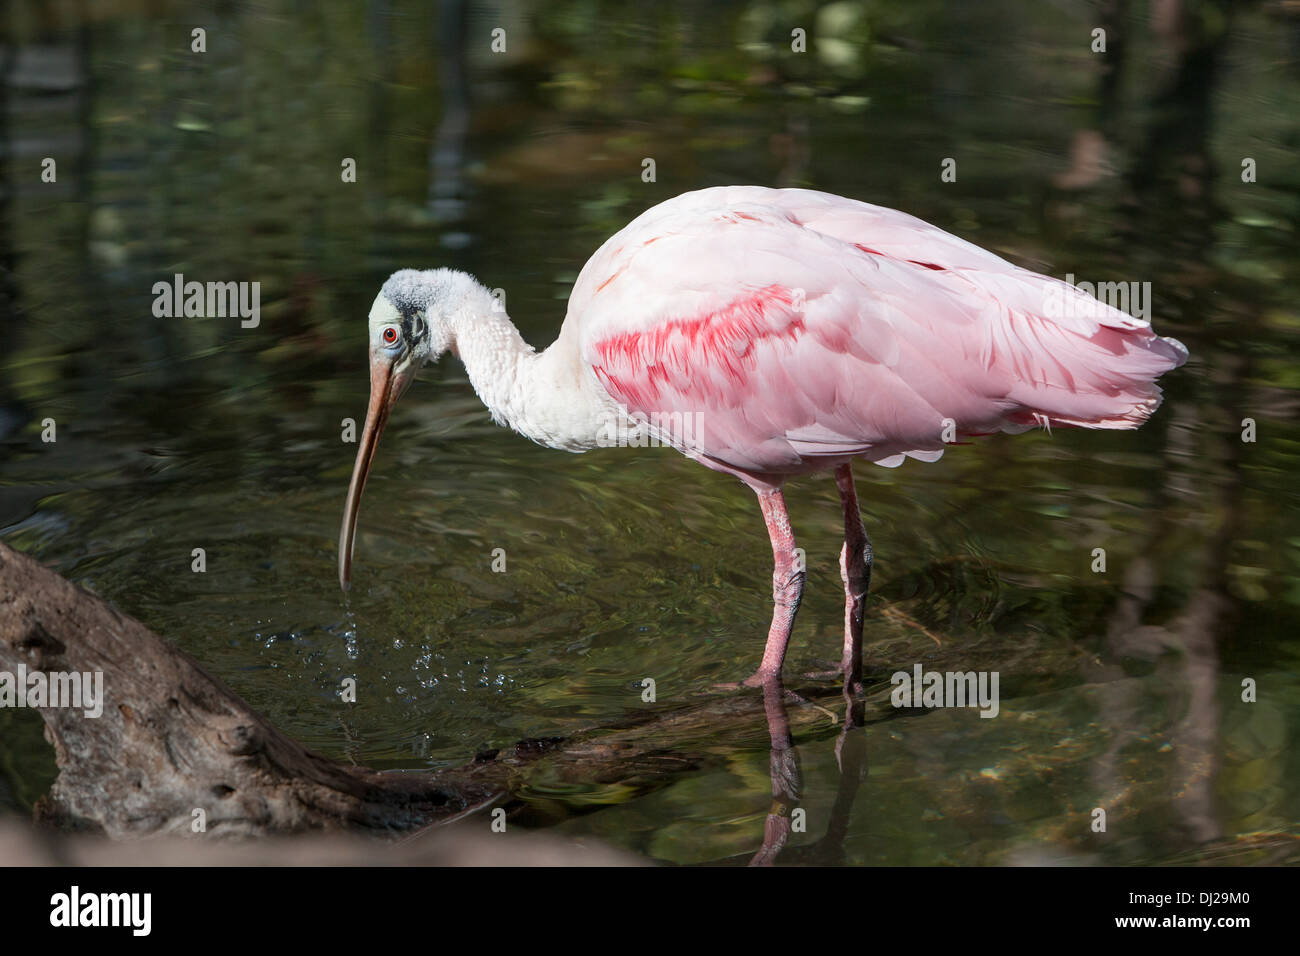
<point>787,780</point>
<point>787,586</point>
<point>855,570</point>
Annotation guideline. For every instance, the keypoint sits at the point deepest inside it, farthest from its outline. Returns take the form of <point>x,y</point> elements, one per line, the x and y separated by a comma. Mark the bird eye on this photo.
<point>390,335</point>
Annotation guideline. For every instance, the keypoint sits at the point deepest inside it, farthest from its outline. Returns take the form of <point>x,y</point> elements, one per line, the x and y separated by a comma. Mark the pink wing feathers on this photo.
<point>805,328</point>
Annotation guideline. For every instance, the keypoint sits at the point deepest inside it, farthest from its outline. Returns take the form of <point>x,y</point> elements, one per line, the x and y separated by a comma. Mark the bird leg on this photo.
<point>787,586</point>
<point>855,570</point>
<point>787,779</point>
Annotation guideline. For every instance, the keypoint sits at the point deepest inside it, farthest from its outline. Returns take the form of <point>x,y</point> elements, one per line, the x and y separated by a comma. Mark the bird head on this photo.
<point>409,325</point>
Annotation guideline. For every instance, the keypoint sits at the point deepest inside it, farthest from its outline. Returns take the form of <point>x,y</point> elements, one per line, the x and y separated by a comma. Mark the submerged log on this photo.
<point>22,845</point>
<point>172,739</point>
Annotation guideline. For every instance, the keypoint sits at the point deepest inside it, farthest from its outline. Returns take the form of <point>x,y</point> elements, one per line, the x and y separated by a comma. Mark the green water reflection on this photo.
<point>1120,689</point>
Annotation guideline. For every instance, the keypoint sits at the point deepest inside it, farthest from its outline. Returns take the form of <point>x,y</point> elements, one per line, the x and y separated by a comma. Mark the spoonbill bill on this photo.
<point>798,332</point>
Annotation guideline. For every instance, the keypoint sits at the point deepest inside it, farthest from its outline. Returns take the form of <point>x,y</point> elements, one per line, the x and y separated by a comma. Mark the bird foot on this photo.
<point>855,685</point>
<point>823,675</point>
<point>759,678</point>
<point>756,679</point>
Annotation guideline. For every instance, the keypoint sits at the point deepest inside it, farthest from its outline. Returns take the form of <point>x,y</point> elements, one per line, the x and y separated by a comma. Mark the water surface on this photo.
<point>1120,690</point>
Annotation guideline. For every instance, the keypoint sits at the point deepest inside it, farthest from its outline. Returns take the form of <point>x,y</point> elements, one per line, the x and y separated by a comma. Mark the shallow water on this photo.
<point>1119,690</point>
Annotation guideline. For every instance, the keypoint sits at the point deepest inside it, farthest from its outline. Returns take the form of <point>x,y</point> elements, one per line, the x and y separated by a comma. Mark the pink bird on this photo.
<point>775,332</point>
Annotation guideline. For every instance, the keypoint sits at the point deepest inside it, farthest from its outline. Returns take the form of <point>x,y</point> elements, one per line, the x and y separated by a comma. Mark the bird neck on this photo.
<point>551,397</point>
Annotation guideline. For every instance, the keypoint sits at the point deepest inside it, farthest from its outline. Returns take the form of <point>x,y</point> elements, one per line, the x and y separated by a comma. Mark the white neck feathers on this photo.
<point>551,397</point>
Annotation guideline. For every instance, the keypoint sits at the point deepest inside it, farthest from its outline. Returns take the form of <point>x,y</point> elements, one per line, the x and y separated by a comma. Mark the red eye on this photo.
<point>390,335</point>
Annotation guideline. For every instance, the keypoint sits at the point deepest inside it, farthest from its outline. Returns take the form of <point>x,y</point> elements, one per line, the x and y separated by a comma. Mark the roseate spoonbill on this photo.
<point>801,331</point>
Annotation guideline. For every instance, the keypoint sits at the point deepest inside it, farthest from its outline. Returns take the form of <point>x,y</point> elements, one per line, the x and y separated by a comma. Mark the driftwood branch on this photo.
<point>173,739</point>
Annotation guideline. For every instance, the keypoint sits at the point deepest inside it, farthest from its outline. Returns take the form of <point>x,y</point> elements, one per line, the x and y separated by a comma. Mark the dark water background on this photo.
<point>1119,690</point>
